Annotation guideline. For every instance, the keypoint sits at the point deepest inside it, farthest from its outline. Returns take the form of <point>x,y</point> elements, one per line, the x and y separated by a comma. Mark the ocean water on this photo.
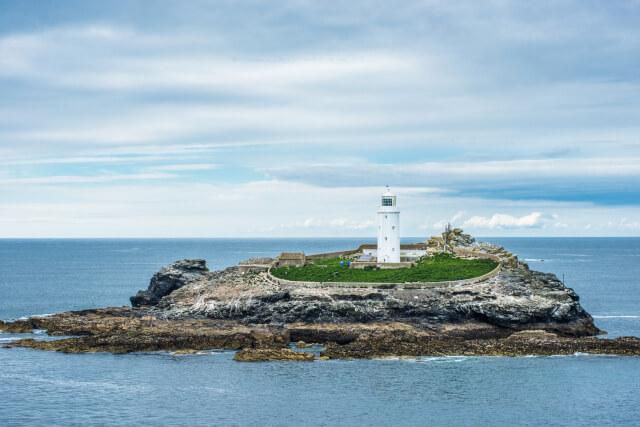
<point>41,388</point>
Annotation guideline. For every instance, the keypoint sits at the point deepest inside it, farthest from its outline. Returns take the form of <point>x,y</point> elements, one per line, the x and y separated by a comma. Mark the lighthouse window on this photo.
<point>393,227</point>
<point>387,201</point>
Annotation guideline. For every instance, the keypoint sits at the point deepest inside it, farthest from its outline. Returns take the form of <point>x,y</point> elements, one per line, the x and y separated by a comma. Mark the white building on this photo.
<point>388,229</point>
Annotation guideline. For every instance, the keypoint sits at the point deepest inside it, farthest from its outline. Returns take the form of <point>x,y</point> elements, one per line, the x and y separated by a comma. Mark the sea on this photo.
<point>42,388</point>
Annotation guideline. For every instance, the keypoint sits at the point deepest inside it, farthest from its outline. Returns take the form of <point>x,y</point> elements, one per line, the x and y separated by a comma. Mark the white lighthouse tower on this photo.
<point>388,229</point>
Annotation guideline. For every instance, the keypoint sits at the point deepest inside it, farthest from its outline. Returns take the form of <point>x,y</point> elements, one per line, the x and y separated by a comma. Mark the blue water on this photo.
<point>44,276</point>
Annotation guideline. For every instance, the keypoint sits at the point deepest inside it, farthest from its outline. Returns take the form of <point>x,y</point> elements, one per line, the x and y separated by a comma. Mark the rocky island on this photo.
<point>510,310</point>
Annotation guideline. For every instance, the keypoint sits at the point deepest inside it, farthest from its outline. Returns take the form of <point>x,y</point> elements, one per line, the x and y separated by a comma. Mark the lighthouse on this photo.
<point>388,229</point>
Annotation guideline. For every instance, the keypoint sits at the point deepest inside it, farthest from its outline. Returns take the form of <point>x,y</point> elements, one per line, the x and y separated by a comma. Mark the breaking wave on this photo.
<point>617,317</point>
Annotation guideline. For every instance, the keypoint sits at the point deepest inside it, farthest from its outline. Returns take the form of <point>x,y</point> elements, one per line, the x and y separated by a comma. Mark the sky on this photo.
<point>288,118</point>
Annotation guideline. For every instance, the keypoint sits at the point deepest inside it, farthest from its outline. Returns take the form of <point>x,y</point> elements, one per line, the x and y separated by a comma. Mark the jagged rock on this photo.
<point>18,327</point>
<point>515,298</point>
<point>449,239</point>
<point>124,330</point>
<point>170,278</point>
<point>390,342</point>
<point>272,354</point>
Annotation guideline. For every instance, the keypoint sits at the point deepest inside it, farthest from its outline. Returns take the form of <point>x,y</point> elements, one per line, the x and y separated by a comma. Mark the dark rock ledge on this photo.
<point>170,278</point>
<point>125,330</point>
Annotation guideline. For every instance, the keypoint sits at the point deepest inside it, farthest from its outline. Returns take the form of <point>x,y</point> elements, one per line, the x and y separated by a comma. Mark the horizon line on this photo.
<point>299,237</point>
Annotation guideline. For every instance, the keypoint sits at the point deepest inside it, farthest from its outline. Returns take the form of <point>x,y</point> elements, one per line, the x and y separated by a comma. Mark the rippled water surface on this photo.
<point>44,276</point>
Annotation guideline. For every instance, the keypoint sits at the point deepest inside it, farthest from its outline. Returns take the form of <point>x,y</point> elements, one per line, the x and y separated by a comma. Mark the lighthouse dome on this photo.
<point>388,199</point>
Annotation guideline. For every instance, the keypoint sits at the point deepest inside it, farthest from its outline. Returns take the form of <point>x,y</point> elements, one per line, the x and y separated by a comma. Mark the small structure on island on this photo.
<point>388,250</point>
<point>408,251</point>
<point>255,265</point>
<point>291,259</point>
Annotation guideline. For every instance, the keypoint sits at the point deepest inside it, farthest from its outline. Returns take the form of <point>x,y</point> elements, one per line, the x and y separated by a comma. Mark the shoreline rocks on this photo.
<point>524,343</point>
<point>126,330</point>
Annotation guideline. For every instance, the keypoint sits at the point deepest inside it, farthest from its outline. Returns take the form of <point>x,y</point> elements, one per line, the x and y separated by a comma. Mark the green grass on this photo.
<point>433,269</point>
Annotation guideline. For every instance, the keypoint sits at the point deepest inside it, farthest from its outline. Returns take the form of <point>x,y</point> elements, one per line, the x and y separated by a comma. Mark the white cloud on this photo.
<point>58,57</point>
<point>440,225</point>
<point>167,124</point>
<point>84,179</point>
<point>331,223</point>
<point>480,169</point>
<point>627,224</point>
<point>220,74</point>
<point>185,167</point>
<point>176,208</point>
<point>504,221</point>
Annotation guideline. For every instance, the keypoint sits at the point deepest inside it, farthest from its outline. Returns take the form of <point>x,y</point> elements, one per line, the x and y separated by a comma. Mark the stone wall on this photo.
<point>332,254</point>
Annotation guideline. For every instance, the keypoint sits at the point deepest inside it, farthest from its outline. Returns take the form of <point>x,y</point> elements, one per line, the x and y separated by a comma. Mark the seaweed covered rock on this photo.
<point>172,277</point>
<point>272,354</point>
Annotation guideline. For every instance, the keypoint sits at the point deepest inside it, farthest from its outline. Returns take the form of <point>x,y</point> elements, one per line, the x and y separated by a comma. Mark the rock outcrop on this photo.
<point>170,278</point>
<point>449,239</point>
<point>516,298</point>
<point>125,330</point>
<point>272,354</point>
<point>415,343</point>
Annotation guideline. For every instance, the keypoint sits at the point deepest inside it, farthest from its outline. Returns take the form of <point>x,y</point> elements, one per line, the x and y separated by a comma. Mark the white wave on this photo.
<point>197,353</point>
<point>101,386</point>
<point>578,255</point>
<point>443,359</point>
<point>617,317</point>
<point>36,315</point>
<point>396,358</point>
<point>535,260</point>
<point>420,359</point>
<point>581,354</point>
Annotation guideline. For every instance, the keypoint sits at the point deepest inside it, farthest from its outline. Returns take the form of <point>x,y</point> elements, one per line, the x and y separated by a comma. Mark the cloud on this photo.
<point>307,108</point>
<point>625,224</point>
<point>486,170</point>
<point>504,221</point>
<point>186,167</point>
<point>602,180</point>
<point>337,223</point>
<point>57,57</point>
<point>440,225</point>
<point>84,179</point>
<point>179,208</point>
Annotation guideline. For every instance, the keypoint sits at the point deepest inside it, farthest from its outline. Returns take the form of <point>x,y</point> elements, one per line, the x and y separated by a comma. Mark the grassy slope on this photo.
<point>433,269</point>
